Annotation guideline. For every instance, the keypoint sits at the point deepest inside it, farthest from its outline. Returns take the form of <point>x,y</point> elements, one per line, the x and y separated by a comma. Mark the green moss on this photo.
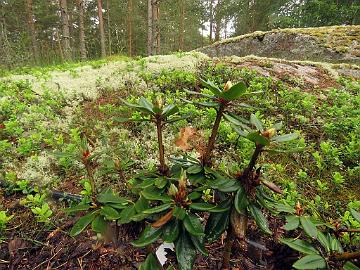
<point>336,38</point>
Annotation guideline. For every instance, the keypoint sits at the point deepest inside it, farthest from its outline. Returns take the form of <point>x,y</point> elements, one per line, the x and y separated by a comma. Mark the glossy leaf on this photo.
<point>217,223</point>
<point>170,110</point>
<point>199,244</point>
<point>259,218</point>
<point>236,91</point>
<point>179,213</point>
<point>193,225</point>
<point>99,225</point>
<point>310,262</point>
<point>202,206</point>
<point>350,266</point>
<point>292,223</point>
<point>241,201</point>
<point>148,236</point>
<point>127,214</point>
<point>308,227</point>
<point>256,138</point>
<point>157,209</point>
<point>109,213</point>
<point>151,263</point>
<point>171,231</point>
<point>194,169</point>
<point>82,223</point>
<point>109,197</point>
<point>154,194</point>
<point>300,245</point>
<point>77,208</point>
<point>185,251</point>
<point>324,241</point>
<point>194,195</point>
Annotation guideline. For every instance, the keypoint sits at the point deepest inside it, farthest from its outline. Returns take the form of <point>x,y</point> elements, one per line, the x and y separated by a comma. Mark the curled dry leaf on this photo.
<point>189,139</point>
<point>163,220</point>
<point>272,186</point>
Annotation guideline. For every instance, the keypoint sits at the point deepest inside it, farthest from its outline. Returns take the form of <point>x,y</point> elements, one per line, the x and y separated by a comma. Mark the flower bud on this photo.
<point>269,133</point>
<point>159,102</point>
<point>227,86</point>
<point>172,190</point>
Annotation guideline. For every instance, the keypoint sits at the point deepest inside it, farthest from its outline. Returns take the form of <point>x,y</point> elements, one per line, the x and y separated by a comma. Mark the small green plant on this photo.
<point>4,219</point>
<point>322,248</point>
<point>42,213</point>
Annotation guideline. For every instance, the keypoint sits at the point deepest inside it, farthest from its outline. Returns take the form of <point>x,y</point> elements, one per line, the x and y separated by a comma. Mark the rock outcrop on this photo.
<point>333,44</point>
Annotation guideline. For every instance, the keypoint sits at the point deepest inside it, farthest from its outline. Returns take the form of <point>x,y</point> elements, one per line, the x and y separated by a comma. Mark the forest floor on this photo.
<point>46,110</point>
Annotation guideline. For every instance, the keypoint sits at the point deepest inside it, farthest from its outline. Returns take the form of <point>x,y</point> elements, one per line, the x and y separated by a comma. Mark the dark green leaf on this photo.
<point>350,266</point>
<point>308,227</point>
<point>300,245</point>
<point>257,138</point>
<point>109,197</point>
<point>199,244</point>
<point>127,214</point>
<point>109,213</point>
<point>170,110</point>
<point>155,194</point>
<point>151,263</point>
<point>194,169</point>
<point>193,225</point>
<point>194,195</point>
<point>185,251</point>
<point>157,209</point>
<point>179,213</point>
<point>218,222</point>
<point>259,218</point>
<point>77,208</point>
<point>292,223</point>
<point>241,201</point>
<point>171,231</point>
<point>141,204</point>
<point>324,241</point>
<point>256,122</point>
<point>310,262</point>
<point>99,225</point>
<point>236,91</point>
<point>82,223</point>
<point>148,236</point>
<point>161,182</point>
<point>202,206</point>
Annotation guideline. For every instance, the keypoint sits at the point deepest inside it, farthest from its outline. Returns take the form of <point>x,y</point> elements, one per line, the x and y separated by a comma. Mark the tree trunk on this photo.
<point>211,20</point>
<point>182,23</point>
<point>101,29</point>
<point>80,4</point>
<point>31,25</point>
<point>109,27</point>
<point>156,27</point>
<point>65,28</point>
<point>218,21</point>
<point>150,28</point>
<point>130,26</point>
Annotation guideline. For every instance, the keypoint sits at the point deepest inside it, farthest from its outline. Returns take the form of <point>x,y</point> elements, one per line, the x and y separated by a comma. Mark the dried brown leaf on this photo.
<point>163,220</point>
